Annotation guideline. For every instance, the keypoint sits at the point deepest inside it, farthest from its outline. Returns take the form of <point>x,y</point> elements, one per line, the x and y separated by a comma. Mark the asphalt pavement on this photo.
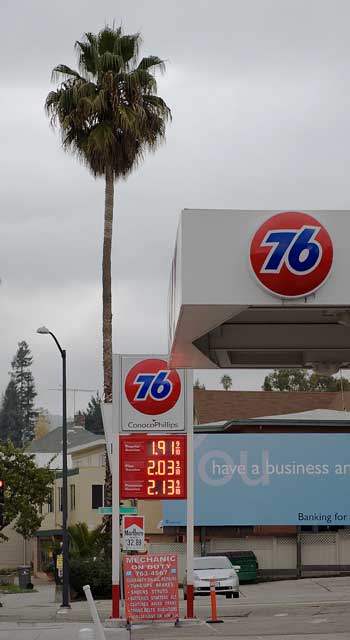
<point>290,610</point>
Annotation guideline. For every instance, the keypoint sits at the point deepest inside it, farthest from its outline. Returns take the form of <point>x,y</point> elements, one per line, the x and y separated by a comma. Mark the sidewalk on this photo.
<point>41,607</point>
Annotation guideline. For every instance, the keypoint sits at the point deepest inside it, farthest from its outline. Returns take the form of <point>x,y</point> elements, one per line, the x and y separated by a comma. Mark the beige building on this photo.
<point>86,476</point>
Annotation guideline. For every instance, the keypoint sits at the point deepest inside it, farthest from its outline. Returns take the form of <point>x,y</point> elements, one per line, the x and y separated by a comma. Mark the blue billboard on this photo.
<point>275,479</point>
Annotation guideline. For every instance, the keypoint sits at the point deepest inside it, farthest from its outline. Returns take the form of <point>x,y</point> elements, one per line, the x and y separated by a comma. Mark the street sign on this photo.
<point>131,511</point>
<point>152,395</point>
<point>151,587</point>
<point>153,467</point>
<point>133,532</point>
<point>107,511</point>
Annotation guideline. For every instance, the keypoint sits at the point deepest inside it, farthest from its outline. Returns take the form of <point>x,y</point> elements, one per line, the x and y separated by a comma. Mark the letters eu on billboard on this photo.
<point>280,479</point>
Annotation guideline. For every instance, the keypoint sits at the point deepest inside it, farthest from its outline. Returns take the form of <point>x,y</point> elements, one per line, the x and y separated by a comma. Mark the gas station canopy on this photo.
<point>261,289</point>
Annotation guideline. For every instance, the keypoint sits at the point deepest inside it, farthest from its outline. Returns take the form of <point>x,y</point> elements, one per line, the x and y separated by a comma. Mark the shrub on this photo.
<point>84,543</point>
<point>97,572</point>
<point>7,572</point>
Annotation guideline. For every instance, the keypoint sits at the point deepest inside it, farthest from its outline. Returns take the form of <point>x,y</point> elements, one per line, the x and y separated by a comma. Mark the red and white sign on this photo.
<point>151,587</point>
<point>153,467</point>
<point>291,254</point>
<point>133,533</point>
<point>152,395</point>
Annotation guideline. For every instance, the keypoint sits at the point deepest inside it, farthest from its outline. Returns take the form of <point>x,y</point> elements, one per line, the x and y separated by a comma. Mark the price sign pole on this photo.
<point>190,491</point>
<point>116,565</point>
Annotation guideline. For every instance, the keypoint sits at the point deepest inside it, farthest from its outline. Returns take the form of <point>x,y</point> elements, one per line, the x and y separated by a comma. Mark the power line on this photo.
<point>75,390</point>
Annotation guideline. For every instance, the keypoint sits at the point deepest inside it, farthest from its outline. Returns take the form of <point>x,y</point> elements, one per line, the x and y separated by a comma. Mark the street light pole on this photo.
<point>65,586</point>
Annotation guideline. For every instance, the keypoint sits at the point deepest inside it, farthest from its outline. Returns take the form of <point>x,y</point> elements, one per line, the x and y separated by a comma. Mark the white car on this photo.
<point>218,567</point>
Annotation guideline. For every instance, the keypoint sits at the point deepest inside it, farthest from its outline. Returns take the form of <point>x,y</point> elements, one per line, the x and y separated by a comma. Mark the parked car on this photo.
<point>218,567</point>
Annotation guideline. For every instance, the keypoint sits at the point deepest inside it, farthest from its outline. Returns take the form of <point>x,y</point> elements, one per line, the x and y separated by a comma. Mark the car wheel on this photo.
<point>236,594</point>
<point>229,595</point>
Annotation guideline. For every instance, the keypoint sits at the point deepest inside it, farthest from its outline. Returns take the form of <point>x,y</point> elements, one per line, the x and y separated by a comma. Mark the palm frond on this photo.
<point>111,62</point>
<point>65,71</point>
<point>145,80</point>
<point>151,62</point>
<point>128,47</point>
<point>88,54</point>
<point>107,40</point>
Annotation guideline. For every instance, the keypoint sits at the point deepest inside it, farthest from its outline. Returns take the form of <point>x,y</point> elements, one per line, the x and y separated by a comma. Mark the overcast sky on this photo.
<point>259,91</point>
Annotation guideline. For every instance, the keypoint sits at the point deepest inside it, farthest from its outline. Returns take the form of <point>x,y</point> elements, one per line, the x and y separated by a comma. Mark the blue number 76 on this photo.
<point>298,249</point>
<point>155,385</point>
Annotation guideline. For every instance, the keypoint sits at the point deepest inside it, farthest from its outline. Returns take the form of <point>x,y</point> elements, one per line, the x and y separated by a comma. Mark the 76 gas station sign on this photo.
<point>152,396</point>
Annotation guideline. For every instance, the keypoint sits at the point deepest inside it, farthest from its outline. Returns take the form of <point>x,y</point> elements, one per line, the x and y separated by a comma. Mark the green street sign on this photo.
<point>128,511</point>
<point>124,511</point>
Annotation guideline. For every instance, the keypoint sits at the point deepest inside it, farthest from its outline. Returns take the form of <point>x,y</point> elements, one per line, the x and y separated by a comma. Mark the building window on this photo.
<point>60,502</point>
<point>72,497</point>
<point>102,460</point>
<point>50,502</point>
<point>96,496</point>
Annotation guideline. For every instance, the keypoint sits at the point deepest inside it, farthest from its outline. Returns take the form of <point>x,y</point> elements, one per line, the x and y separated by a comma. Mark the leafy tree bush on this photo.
<point>302,380</point>
<point>27,488</point>
<point>95,572</point>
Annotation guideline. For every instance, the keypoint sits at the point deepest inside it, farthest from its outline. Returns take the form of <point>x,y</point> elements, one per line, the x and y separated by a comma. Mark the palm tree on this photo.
<point>226,382</point>
<point>109,114</point>
<point>84,543</point>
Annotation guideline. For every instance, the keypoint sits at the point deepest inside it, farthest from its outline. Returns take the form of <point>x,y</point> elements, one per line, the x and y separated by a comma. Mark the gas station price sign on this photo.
<point>153,467</point>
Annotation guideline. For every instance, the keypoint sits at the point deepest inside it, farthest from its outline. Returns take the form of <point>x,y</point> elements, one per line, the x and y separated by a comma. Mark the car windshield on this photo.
<point>217,562</point>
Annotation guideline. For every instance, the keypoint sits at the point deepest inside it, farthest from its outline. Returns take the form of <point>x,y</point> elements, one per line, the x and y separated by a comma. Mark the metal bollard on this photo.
<point>214,618</point>
<point>100,634</point>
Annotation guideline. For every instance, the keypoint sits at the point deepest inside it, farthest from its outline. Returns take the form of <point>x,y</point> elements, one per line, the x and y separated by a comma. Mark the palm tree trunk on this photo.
<point>107,287</point>
<point>107,318</point>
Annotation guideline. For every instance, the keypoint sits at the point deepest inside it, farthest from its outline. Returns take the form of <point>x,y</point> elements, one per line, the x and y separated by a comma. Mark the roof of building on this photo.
<point>318,420</point>
<point>215,406</point>
<point>52,442</point>
<point>316,415</point>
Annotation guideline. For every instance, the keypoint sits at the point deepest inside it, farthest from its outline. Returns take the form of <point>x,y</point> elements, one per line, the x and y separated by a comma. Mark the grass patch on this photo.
<point>13,588</point>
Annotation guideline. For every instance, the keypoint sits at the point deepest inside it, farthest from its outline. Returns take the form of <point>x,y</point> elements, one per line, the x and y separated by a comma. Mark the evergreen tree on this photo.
<point>24,381</point>
<point>93,415</point>
<point>198,385</point>
<point>10,416</point>
<point>226,382</point>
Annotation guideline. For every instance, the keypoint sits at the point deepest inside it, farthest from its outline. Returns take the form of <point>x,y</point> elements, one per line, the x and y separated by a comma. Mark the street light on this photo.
<point>65,589</point>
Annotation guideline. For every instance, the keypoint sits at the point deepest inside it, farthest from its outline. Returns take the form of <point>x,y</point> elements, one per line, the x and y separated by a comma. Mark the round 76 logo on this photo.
<point>291,254</point>
<point>151,387</point>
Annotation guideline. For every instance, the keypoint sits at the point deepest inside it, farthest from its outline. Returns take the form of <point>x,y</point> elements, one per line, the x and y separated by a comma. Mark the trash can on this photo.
<point>246,560</point>
<point>24,576</point>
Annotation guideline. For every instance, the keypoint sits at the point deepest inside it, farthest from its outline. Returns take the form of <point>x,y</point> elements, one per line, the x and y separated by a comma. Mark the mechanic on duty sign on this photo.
<point>151,587</point>
<point>291,254</point>
<point>152,395</point>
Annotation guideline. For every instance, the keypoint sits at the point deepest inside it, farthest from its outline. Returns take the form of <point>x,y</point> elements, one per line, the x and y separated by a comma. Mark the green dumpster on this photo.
<point>246,560</point>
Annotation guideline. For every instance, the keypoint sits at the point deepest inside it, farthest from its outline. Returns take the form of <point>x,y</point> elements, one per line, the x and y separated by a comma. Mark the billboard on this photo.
<point>269,479</point>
